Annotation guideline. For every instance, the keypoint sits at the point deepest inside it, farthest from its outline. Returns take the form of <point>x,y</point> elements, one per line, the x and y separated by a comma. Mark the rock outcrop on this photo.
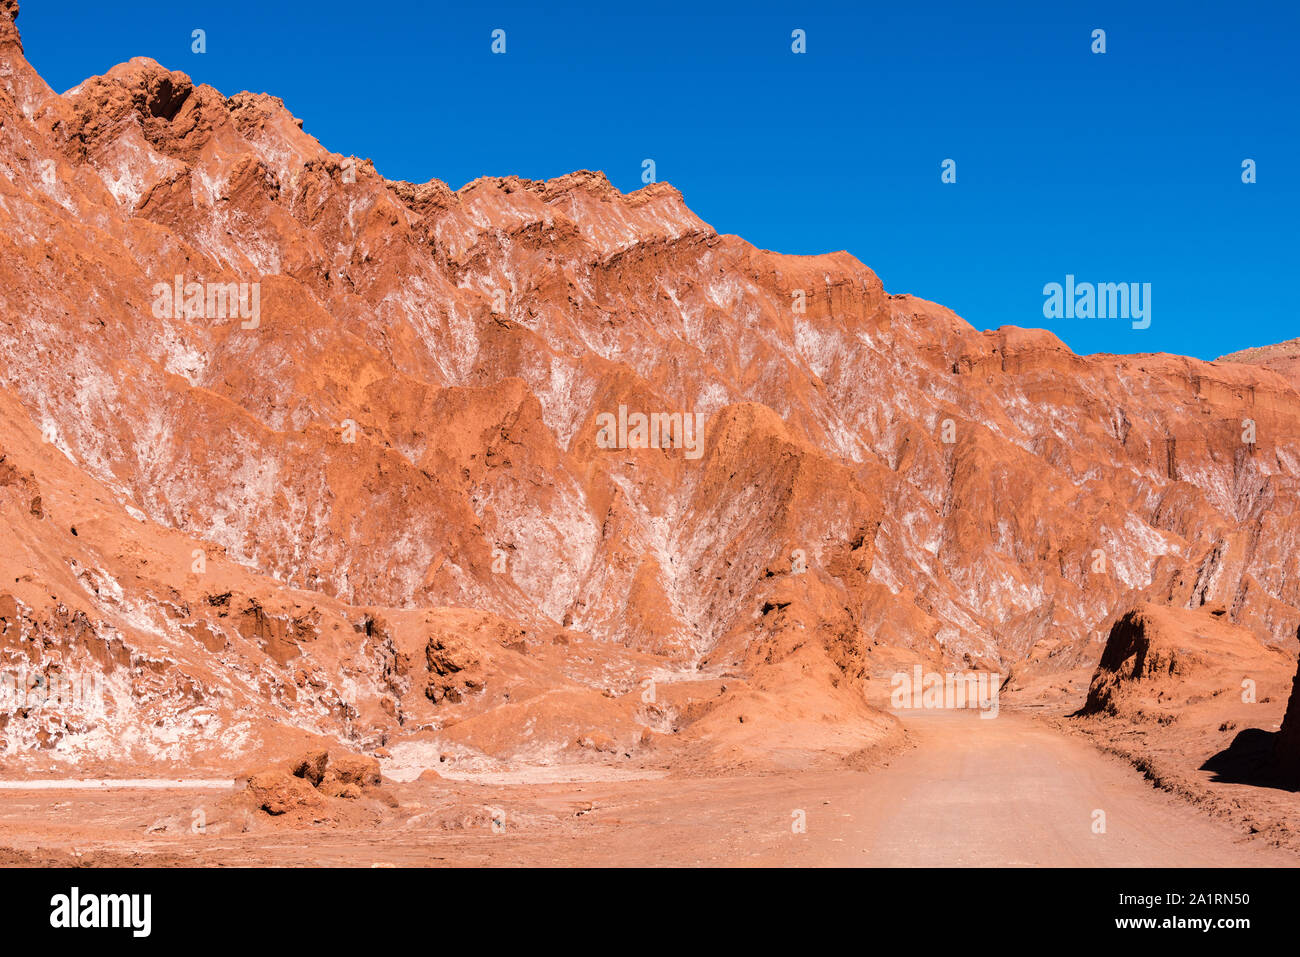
<point>1158,660</point>
<point>1286,747</point>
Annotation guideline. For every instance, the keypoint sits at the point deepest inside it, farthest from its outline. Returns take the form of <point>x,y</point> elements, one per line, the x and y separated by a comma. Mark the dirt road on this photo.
<point>1006,791</point>
<point>1013,791</point>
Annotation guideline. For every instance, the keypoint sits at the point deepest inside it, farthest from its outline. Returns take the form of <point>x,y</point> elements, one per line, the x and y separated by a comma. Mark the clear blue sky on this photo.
<point>1122,167</point>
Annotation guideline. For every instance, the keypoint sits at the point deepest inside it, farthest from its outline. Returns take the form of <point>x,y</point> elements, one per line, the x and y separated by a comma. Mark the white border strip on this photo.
<point>100,784</point>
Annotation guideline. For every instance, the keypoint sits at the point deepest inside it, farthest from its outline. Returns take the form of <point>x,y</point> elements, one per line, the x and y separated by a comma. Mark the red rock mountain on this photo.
<point>1283,357</point>
<point>358,485</point>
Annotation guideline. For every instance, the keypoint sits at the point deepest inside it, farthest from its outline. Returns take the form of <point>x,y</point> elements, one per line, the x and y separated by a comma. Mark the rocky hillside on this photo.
<point>533,469</point>
<point>1282,357</point>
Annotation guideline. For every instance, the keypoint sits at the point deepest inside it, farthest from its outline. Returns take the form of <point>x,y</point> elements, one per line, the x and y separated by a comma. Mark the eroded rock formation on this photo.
<point>292,451</point>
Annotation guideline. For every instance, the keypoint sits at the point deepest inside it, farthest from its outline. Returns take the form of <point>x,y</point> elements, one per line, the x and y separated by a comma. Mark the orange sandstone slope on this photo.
<point>1281,357</point>
<point>378,503</point>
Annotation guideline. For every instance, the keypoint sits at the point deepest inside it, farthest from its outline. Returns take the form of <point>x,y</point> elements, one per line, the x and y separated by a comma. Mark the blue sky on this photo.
<point>1115,167</point>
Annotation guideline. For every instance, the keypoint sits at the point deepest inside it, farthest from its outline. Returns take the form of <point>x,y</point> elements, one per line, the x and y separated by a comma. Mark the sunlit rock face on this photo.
<point>288,449</point>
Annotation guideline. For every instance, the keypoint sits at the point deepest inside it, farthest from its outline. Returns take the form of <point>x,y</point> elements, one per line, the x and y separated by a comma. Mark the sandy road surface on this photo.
<point>1012,791</point>
<point>1006,791</point>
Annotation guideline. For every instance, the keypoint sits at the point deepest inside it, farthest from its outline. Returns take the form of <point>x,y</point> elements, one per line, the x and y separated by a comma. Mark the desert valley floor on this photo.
<point>1017,791</point>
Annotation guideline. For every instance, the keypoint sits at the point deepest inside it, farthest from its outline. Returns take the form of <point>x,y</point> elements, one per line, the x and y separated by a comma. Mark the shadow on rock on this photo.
<point>1250,759</point>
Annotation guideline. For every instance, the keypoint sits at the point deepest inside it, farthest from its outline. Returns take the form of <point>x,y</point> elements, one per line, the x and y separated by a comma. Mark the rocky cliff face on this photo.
<point>290,448</point>
<point>1286,747</point>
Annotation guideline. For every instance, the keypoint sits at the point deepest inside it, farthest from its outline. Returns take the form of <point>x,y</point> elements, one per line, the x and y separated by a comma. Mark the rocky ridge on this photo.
<point>293,453</point>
